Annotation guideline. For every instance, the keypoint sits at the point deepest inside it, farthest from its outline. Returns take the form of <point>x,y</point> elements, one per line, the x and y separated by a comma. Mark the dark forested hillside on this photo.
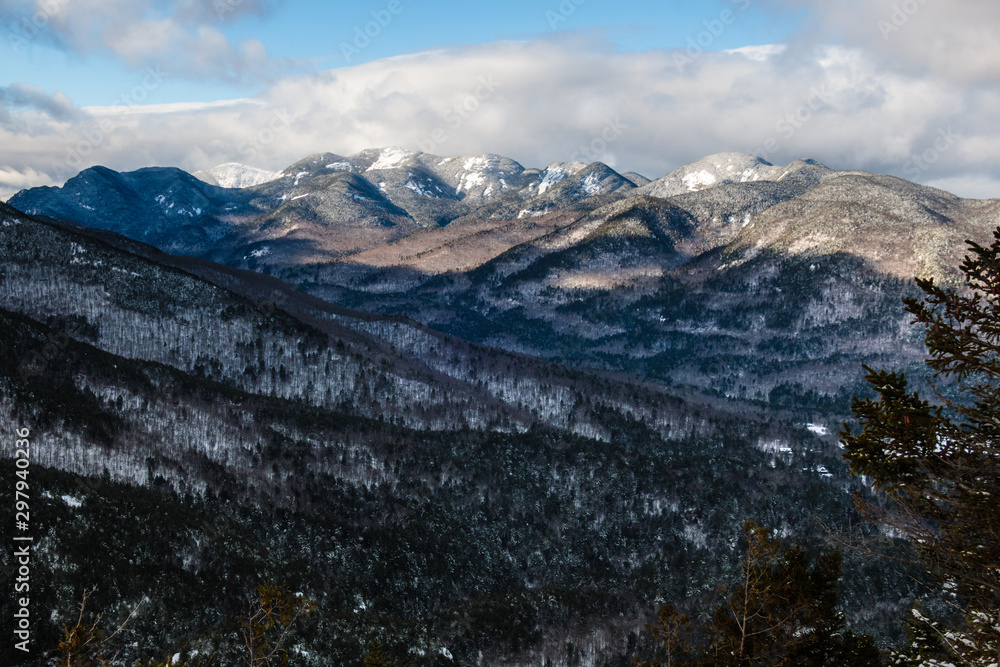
<point>197,430</point>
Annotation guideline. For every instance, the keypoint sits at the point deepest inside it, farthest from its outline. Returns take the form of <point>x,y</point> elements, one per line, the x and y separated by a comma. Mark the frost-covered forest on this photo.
<point>194,436</point>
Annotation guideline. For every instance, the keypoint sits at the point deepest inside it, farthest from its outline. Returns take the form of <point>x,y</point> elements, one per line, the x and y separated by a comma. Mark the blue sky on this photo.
<point>906,87</point>
<point>310,36</point>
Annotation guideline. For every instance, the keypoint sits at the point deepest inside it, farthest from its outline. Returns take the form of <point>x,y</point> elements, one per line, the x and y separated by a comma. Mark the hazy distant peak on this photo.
<point>236,175</point>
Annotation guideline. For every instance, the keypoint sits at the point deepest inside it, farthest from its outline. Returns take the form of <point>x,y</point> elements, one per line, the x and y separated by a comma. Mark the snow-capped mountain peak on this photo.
<point>483,175</point>
<point>712,171</point>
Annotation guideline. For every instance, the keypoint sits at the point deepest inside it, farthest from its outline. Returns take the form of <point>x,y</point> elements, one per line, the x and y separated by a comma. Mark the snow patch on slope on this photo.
<point>420,189</point>
<point>476,172</point>
<point>592,184</point>
<point>699,180</point>
<point>469,180</point>
<point>552,175</point>
<point>390,158</point>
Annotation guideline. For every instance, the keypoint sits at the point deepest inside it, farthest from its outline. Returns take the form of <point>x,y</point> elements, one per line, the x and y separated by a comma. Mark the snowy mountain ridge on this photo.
<point>725,168</point>
<point>236,175</point>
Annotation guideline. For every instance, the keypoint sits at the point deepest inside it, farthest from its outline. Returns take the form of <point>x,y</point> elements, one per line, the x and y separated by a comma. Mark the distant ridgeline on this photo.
<point>728,275</point>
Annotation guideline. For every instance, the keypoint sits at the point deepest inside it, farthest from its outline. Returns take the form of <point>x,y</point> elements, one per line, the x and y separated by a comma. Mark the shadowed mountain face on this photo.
<point>729,274</point>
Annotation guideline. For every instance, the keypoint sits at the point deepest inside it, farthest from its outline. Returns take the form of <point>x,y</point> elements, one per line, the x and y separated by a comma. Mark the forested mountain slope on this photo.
<point>197,429</point>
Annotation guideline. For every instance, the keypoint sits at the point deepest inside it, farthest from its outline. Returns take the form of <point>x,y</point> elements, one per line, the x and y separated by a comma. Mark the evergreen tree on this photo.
<point>937,464</point>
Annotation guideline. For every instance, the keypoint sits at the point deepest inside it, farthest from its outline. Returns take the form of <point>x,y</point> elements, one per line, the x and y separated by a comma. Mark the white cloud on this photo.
<point>13,181</point>
<point>543,101</point>
<point>178,35</point>
<point>975,186</point>
<point>20,101</point>
<point>168,108</point>
<point>947,39</point>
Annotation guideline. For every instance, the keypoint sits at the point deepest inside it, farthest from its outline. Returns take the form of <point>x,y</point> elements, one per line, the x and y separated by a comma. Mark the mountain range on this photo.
<point>729,274</point>
<point>484,414</point>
